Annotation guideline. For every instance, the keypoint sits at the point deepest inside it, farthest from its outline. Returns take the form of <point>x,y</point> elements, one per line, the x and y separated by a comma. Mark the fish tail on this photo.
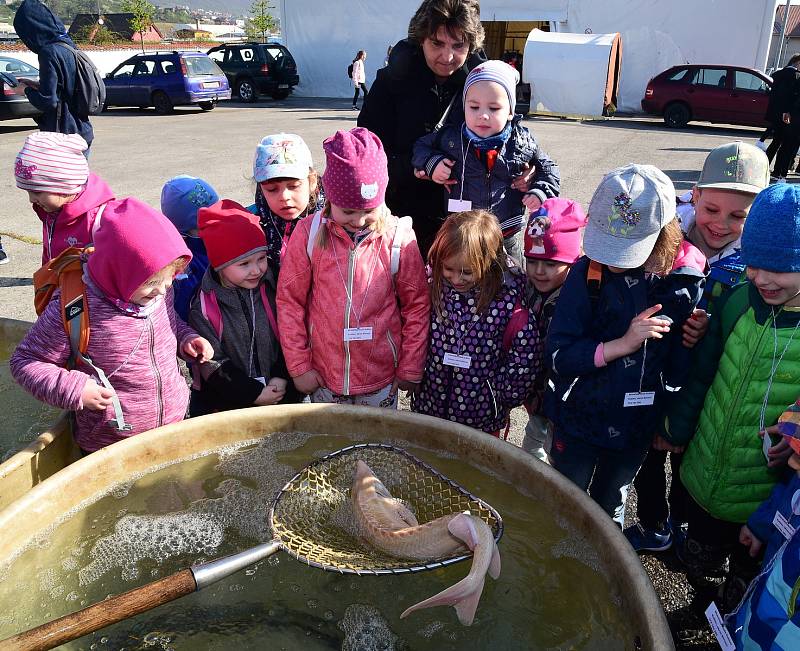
<point>463,596</point>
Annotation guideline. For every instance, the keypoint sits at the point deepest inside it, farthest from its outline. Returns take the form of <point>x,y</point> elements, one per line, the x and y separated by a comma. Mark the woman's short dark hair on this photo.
<point>456,16</point>
<point>795,58</point>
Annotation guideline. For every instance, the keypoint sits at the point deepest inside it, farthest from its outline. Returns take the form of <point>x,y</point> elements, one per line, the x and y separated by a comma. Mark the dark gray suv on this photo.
<point>257,68</point>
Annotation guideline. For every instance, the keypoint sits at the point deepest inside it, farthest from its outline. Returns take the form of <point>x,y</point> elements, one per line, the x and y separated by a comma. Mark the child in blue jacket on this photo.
<point>612,347</point>
<point>181,198</point>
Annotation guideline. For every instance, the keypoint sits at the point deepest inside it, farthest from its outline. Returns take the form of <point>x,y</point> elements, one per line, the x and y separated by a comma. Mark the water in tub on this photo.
<point>23,417</point>
<point>551,593</point>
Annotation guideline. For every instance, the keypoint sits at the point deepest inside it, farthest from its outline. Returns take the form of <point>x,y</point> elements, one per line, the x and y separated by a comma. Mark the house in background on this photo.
<point>85,26</point>
<point>791,40</point>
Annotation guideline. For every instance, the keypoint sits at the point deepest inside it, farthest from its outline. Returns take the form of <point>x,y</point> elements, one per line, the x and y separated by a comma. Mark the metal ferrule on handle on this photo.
<point>207,573</point>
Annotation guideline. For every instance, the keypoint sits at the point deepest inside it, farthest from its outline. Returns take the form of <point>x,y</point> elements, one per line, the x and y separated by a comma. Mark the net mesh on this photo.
<point>313,515</point>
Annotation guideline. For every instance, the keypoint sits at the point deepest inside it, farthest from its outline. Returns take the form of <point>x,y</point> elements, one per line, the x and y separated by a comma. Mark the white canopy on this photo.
<point>586,61</point>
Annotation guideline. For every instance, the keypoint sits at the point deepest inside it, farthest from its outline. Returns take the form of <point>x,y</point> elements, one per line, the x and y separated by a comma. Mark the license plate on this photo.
<point>210,84</point>
<point>283,85</point>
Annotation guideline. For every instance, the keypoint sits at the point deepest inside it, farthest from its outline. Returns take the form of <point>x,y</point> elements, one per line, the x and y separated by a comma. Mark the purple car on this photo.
<point>165,80</point>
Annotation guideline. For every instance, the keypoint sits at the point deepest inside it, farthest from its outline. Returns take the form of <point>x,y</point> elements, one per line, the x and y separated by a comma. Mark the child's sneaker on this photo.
<point>650,540</point>
<point>3,254</point>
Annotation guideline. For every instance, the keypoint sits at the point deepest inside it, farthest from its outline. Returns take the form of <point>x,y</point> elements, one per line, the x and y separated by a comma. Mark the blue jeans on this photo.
<point>604,473</point>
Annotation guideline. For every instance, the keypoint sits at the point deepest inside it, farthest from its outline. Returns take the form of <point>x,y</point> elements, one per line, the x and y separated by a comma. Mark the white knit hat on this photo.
<point>52,162</point>
<point>500,73</point>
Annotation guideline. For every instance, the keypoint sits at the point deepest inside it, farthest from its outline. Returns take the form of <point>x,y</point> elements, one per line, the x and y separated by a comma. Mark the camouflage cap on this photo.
<point>736,166</point>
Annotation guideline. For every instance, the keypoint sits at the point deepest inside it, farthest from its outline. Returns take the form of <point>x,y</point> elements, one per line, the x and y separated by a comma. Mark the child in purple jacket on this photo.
<point>128,381</point>
<point>485,353</point>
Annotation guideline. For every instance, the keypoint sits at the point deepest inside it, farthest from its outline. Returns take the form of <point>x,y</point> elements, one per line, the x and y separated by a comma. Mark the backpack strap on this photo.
<point>316,222</point>
<point>594,278</point>
<point>97,217</point>
<point>268,309</point>
<point>209,306</point>
<point>404,224</point>
<point>519,319</point>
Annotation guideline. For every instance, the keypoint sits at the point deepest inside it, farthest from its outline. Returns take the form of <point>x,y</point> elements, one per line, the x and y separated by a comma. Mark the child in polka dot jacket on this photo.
<point>485,353</point>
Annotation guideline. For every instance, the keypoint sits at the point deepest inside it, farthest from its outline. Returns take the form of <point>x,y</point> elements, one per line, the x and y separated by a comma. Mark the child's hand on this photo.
<point>30,83</point>
<point>523,181</point>
<point>270,395</point>
<point>532,202</point>
<point>308,382</point>
<point>749,540</point>
<point>660,443</point>
<point>278,382</point>
<point>95,397</point>
<point>441,173</point>
<point>199,349</point>
<point>780,452</point>
<point>404,385</point>
<point>644,326</point>
<point>695,328</point>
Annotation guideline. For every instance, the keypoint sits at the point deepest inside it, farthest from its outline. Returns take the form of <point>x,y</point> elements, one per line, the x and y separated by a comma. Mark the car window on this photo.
<point>235,56</point>
<point>17,68</point>
<point>746,81</point>
<point>711,77</point>
<point>125,70</point>
<point>144,67</point>
<point>168,67</point>
<point>276,53</point>
<point>248,54</point>
<point>217,55</point>
<point>677,75</point>
<point>201,66</point>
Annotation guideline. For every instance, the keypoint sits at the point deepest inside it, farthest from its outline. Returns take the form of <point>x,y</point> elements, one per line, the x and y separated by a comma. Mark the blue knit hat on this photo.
<point>771,237</point>
<point>182,196</point>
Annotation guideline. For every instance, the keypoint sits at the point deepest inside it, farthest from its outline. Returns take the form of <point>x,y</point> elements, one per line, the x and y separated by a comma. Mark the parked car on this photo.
<point>257,68</point>
<point>715,93</point>
<point>13,103</point>
<point>165,80</point>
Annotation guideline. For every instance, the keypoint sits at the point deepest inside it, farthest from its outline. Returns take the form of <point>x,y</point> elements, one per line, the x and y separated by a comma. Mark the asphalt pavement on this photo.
<point>136,151</point>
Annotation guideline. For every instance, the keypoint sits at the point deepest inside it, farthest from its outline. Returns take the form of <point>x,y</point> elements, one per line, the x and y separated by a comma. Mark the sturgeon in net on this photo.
<point>389,525</point>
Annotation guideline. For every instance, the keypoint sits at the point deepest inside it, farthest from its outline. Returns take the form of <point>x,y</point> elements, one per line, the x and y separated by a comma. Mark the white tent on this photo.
<point>324,36</point>
<point>589,61</point>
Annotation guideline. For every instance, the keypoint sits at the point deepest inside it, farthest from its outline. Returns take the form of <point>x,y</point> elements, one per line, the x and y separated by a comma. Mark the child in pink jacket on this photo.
<point>135,334</point>
<point>353,302</point>
<point>67,198</point>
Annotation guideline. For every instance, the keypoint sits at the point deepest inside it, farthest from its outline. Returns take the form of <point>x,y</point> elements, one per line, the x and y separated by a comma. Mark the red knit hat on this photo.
<point>555,232</point>
<point>356,172</point>
<point>230,233</point>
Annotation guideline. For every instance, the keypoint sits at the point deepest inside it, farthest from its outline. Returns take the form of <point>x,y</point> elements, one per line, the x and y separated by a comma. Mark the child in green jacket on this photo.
<point>744,372</point>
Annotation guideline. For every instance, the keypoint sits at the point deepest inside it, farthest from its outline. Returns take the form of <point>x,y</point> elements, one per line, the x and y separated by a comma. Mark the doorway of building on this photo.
<point>505,40</point>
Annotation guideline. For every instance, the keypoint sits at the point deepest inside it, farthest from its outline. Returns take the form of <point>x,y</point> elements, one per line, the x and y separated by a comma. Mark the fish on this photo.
<point>388,524</point>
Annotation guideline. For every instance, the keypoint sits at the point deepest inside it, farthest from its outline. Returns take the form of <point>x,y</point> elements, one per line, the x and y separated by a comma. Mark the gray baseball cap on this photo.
<point>627,212</point>
<point>736,166</point>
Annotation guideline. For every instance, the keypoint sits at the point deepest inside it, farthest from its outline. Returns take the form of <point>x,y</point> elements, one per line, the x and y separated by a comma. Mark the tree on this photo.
<point>261,21</point>
<point>143,13</point>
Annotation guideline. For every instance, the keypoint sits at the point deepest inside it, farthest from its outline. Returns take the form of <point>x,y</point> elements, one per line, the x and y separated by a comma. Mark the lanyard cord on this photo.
<point>460,323</point>
<point>252,335</point>
<point>644,359</point>
<point>775,364</point>
<point>347,289</point>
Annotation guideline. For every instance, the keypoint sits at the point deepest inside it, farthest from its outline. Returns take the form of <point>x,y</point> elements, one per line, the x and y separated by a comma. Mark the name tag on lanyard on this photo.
<point>458,205</point>
<point>639,398</point>
<point>458,361</point>
<point>358,334</point>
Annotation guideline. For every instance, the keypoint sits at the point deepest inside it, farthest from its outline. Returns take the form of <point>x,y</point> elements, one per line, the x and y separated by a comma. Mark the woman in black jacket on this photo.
<point>426,72</point>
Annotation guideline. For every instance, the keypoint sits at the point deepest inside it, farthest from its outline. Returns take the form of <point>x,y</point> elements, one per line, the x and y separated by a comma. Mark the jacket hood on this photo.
<point>132,243</point>
<point>408,61</point>
<point>94,194</point>
<point>37,26</point>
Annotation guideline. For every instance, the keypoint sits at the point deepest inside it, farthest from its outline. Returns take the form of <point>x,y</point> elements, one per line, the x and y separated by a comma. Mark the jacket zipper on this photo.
<point>347,308</point>
<point>494,400</point>
<point>393,347</point>
<point>159,388</point>
<point>744,383</point>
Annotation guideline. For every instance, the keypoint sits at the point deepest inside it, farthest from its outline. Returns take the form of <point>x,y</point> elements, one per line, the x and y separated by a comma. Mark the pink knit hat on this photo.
<point>555,232</point>
<point>132,242</point>
<point>52,162</point>
<point>356,172</point>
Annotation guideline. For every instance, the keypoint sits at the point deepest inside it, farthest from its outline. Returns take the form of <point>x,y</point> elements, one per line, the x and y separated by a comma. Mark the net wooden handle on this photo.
<point>105,613</point>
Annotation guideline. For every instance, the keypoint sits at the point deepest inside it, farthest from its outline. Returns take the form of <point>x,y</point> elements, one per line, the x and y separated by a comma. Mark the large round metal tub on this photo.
<point>630,586</point>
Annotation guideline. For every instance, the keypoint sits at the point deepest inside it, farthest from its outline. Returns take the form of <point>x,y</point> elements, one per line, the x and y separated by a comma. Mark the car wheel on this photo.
<point>677,115</point>
<point>162,103</point>
<point>208,106</point>
<point>280,94</point>
<point>246,90</point>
